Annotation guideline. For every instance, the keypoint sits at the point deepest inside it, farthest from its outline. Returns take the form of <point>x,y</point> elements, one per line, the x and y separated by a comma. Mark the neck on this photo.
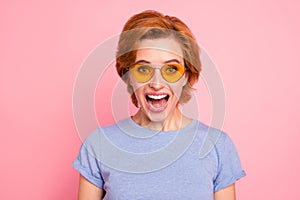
<point>175,121</point>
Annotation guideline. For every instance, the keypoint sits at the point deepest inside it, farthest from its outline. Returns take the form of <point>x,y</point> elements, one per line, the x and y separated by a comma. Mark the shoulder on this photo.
<point>94,137</point>
<point>112,132</point>
<point>219,144</point>
<point>211,139</point>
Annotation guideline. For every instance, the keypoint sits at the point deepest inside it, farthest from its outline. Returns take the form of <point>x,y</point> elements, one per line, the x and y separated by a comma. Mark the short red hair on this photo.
<point>153,25</point>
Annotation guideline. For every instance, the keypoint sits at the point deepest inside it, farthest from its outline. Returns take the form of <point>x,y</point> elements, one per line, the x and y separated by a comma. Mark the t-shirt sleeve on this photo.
<point>229,165</point>
<point>88,165</point>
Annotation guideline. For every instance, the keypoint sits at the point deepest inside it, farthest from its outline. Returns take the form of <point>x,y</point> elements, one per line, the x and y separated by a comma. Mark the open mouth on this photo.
<point>157,103</point>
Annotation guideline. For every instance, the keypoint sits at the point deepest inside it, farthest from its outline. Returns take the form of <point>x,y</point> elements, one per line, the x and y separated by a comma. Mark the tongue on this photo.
<point>158,103</point>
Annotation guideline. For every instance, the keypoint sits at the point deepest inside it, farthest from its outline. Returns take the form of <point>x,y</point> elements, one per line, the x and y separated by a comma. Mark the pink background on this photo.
<point>255,45</point>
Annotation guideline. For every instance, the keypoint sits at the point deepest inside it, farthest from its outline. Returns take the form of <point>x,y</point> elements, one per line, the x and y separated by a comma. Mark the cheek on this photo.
<point>177,92</point>
<point>135,85</point>
<point>178,87</point>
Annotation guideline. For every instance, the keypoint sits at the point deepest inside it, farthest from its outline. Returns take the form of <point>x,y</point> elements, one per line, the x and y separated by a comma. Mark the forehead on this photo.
<point>159,50</point>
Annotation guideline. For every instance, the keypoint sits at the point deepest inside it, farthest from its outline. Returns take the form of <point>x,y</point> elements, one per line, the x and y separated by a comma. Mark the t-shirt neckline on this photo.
<point>130,127</point>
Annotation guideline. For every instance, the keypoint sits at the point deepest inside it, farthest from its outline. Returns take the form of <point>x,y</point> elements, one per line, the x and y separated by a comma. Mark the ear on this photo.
<point>127,81</point>
<point>129,86</point>
<point>129,78</point>
<point>185,80</point>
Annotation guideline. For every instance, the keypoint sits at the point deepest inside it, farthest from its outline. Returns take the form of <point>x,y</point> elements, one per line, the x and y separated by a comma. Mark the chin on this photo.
<point>157,117</point>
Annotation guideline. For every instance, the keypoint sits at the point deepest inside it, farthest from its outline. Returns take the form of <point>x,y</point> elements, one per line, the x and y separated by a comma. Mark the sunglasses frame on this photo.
<point>160,67</point>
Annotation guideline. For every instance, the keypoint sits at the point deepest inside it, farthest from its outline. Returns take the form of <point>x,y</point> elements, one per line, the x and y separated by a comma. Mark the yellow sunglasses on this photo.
<point>170,72</point>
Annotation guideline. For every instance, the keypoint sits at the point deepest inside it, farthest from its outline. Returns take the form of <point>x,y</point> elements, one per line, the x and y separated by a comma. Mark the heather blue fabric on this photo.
<point>189,176</point>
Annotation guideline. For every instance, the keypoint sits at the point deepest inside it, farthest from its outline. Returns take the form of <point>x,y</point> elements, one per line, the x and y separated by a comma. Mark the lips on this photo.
<point>157,102</point>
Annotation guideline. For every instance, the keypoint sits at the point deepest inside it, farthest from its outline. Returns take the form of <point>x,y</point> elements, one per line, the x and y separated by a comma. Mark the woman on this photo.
<point>158,59</point>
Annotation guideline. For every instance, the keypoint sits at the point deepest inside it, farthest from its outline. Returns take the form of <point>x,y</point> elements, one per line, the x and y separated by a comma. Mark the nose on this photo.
<point>157,80</point>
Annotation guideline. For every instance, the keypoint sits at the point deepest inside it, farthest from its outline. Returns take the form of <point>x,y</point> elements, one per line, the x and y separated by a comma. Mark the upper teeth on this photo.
<point>157,96</point>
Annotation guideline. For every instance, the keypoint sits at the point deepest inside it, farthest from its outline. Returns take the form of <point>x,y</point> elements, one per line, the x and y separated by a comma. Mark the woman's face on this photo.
<point>157,97</point>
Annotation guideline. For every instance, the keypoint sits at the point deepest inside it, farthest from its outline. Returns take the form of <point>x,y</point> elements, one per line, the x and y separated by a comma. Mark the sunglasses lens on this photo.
<point>172,72</point>
<point>142,73</point>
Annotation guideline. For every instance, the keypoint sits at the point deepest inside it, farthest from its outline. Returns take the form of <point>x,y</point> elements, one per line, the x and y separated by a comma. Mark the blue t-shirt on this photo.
<point>131,162</point>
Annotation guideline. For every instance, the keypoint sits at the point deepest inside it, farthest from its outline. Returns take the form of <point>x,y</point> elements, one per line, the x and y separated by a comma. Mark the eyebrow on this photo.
<point>168,61</point>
